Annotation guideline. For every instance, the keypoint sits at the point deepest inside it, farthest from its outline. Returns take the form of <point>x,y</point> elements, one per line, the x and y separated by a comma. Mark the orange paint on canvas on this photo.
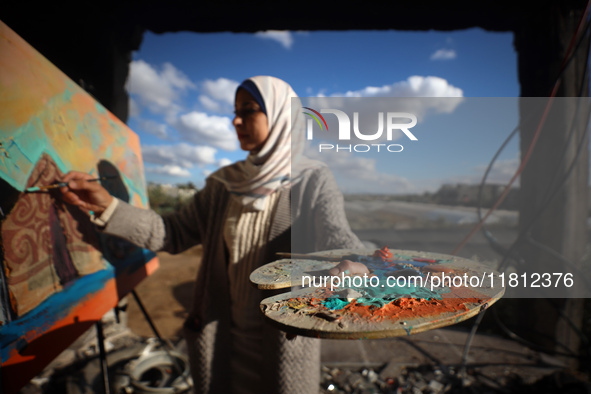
<point>43,112</point>
<point>29,79</point>
<point>43,346</point>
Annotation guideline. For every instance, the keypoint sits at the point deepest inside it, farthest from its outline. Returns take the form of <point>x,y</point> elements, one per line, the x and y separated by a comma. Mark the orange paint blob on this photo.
<point>409,308</point>
<point>384,254</point>
<point>437,270</point>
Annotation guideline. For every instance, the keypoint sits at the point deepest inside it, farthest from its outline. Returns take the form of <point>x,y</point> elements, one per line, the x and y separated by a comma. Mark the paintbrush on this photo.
<point>63,184</point>
<point>316,257</point>
<point>352,257</point>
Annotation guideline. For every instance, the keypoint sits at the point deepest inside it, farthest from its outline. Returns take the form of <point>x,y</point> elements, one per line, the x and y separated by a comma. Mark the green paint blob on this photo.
<point>68,93</point>
<point>335,303</point>
<point>99,108</point>
<point>385,290</point>
<point>382,294</point>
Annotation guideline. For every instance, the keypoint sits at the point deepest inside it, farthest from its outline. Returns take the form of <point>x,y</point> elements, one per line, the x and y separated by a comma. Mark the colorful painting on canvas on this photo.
<point>59,275</point>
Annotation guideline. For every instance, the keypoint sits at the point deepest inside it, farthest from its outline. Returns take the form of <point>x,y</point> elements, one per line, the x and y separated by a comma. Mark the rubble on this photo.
<point>394,378</point>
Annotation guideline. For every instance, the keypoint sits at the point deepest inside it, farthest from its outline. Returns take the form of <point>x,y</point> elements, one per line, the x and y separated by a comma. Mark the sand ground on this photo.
<point>166,295</point>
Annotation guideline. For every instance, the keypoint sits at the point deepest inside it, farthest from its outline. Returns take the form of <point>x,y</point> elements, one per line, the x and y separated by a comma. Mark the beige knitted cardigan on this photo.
<point>309,218</point>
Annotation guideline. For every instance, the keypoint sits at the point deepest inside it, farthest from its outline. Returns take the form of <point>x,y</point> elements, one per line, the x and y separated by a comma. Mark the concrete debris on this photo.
<point>430,379</point>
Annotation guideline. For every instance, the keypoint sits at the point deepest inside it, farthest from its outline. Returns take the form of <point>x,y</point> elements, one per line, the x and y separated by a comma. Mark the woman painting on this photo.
<point>246,213</point>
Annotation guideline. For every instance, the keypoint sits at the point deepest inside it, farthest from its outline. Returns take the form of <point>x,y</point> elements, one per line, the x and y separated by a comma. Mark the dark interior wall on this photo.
<point>239,16</point>
<point>93,46</point>
<point>92,42</point>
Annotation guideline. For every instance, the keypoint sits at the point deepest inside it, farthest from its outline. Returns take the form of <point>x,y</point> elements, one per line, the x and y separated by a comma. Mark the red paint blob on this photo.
<point>384,254</point>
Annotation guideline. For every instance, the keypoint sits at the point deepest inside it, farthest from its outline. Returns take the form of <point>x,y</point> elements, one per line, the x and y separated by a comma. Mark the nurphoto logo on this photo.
<point>402,121</point>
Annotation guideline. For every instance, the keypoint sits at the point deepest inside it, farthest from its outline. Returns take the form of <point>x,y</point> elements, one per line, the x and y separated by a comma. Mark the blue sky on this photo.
<point>182,84</point>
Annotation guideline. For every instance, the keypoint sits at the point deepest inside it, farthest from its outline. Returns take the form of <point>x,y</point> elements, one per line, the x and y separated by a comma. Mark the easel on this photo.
<point>103,355</point>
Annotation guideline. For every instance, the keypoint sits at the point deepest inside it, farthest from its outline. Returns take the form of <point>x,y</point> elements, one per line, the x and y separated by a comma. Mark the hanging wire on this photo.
<point>578,38</point>
<point>552,194</point>
<point>524,236</point>
<point>571,51</point>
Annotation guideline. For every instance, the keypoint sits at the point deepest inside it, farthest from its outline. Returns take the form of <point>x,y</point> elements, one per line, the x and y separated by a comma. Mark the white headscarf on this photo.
<point>279,163</point>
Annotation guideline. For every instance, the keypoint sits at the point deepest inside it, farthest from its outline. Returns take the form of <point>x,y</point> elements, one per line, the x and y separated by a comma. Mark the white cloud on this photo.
<point>175,77</point>
<point>444,54</point>
<point>222,89</point>
<point>200,128</point>
<point>134,108</point>
<point>357,174</point>
<point>206,172</point>
<point>414,86</point>
<point>159,91</point>
<point>224,162</point>
<point>170,170</point>
<point>181,155</point>
<point>210,104</point>
<point>218,95</point>
<point>281,36</point>
<point>417,95</point>
<point>154,128</point>
<point>501,174</point>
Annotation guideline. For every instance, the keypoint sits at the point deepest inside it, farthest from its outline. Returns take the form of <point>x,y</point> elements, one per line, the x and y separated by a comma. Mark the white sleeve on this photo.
<point>102,220</point>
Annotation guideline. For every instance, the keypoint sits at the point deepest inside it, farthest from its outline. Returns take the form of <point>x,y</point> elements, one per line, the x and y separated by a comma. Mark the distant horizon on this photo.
<point>356,193</point>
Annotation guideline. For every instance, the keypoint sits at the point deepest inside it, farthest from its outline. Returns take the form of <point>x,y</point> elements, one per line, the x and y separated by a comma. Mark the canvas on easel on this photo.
<point>59,275</point>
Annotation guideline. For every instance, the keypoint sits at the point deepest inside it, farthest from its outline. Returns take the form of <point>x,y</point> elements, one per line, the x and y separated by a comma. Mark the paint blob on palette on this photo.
<point>405,292</point>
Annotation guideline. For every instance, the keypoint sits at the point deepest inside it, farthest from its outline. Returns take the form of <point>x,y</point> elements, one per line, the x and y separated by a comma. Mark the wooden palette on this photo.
<point>282,273</point>
<point>311,311</point>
